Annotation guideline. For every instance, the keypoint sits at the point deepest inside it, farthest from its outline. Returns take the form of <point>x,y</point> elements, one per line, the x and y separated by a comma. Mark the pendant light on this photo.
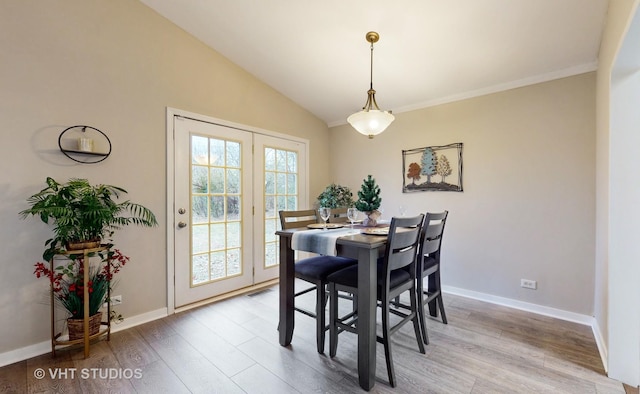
<point>371,120</point>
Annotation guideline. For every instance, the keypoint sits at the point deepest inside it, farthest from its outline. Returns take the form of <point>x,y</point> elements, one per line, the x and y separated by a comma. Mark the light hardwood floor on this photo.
<point>232,347</point>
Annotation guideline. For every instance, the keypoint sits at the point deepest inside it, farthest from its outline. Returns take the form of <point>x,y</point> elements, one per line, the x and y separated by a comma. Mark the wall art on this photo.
<point>432,168</point>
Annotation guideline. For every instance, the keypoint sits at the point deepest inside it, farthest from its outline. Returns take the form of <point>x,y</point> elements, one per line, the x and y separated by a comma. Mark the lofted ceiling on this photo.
<point>430,51</point>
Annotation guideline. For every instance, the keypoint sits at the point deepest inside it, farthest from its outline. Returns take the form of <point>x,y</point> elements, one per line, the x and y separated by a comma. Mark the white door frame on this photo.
<point>171,113</point>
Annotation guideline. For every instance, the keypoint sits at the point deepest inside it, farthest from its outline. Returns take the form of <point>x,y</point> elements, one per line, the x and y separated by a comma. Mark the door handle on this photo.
<point>182,224</point>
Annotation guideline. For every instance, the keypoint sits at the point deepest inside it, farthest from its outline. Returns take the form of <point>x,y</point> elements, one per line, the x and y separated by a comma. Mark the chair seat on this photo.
<point>349,277</point>
<point>319,267</point>
<point>428,262</point>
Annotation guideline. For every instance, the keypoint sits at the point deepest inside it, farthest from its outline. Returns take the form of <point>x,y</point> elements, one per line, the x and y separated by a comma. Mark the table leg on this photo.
<point>287,279</point>
<point>367,276</point>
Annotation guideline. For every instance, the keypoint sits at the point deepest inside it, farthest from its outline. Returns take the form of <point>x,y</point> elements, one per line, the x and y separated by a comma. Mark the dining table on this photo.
<point>366,249</point>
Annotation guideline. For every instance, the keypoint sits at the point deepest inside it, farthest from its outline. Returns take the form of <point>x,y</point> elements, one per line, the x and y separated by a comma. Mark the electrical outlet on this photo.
<point>528,284</point>
<point>115,300</point>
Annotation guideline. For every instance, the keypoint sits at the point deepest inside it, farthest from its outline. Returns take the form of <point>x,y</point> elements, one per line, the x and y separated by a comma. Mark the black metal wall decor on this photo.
<point>432,168</point>
<point>84,144</point>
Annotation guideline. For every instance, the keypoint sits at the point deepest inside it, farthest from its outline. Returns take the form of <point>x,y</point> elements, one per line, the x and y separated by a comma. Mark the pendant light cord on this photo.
<point>371,69</point>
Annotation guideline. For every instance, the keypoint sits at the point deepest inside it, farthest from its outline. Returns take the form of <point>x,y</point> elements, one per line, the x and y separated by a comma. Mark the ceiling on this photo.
<point>430,51</point>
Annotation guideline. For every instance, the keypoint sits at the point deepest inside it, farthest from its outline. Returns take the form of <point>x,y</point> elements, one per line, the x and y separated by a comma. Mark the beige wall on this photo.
<point>115,65</point>
<point>527,210</point>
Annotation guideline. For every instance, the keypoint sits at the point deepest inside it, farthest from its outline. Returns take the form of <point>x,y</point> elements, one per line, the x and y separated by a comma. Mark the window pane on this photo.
<point>199,150</point>
<point>217,152</point>
<point>217,180</point>
<point>269,159</point>
<point>281,160</point>
<point>271,255</point>
<point>199,179</point>
<point>217,208</point>
<point>281,201</point>
<point>233,208</point>
<point>217,265</point>
<point>269,183</point>
<point>292,203</point>
<point>292,162</point>
<point>200,239</point>
<point>269,207</point>
<point>217,237</point>
<point>292,184</point>
<point>270,230</point>
<point>233,262</point>
<point>233,181</point>
<point>281,183</point>
<point>234,235</point>
<point>199,212</point>
<point>233,154</point>
<point>200,269</point>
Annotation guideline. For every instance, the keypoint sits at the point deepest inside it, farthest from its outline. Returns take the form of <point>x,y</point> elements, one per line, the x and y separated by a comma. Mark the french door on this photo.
<point>229,184</point>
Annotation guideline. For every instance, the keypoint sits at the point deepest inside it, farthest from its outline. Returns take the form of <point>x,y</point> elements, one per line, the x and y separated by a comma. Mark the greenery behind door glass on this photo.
<point>216,209</point>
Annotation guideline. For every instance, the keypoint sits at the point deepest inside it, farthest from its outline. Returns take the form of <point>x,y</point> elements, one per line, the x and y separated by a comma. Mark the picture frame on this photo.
<point>438,164</point>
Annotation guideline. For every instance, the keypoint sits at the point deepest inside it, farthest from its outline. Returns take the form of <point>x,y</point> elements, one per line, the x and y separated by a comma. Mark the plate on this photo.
<point>375,231</point>
<point>329,225</point>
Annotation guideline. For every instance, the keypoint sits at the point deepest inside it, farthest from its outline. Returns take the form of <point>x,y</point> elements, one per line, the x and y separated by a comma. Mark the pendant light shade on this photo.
<point>371,120</point>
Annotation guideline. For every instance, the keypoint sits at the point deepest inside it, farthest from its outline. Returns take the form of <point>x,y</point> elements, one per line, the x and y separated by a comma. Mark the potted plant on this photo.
<point>335,196</point>
<point>369,201</point>
<point>67,286</point>
<point>83,216</point>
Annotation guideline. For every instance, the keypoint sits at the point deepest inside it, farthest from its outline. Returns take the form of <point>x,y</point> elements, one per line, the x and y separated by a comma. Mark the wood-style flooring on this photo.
<point>232,347</point>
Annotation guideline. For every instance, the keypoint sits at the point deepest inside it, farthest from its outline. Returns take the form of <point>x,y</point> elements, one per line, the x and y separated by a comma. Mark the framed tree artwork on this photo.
<point>432,168</point>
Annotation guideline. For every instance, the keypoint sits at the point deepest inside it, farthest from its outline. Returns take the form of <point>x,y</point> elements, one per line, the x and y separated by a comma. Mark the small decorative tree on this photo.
<point>369,201</point>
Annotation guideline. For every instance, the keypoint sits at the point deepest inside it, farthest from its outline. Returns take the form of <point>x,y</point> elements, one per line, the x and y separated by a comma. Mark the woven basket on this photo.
<point>76,326</point>
<point>83,245</point>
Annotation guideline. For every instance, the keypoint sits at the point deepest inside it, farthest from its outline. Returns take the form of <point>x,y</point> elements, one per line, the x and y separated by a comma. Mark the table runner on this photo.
<point>318,241</point>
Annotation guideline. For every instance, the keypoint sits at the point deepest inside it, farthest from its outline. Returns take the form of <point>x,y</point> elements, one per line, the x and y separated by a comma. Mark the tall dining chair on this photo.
<point>429,267</point>
<point>396,275</point>
<point>315,271</point>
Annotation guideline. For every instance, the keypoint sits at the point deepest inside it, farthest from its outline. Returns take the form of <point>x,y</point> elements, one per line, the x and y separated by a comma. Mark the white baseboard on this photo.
<point>24,353</point>
<point>540,310</point>
<point>602,345</point>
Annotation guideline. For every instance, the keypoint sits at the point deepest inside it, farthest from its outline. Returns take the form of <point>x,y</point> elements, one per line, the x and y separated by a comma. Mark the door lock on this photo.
<point>181,211</point>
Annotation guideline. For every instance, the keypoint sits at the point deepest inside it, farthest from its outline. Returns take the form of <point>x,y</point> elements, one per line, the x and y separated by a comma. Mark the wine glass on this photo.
<point>324,215</point>
<point>352,215</point>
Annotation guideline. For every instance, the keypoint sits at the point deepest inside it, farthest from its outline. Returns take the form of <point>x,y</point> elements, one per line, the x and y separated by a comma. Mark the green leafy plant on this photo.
<point>368,196</point>
<point>81,212</point>
<point>335,196</point>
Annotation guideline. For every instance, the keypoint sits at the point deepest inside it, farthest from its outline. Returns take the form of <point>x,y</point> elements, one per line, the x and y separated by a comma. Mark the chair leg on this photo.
<point>333,315</point>
<point>321,302</point>
<point>416,319</point>
<point>420,310</point>
<point>386,334</point>
<point>439,299</point>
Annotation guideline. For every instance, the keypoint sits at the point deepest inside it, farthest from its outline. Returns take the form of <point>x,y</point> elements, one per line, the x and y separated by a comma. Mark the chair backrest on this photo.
<point>338,215</point>
<point>403,243</point>
<point>432,232</point>
<point>296,219</point>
